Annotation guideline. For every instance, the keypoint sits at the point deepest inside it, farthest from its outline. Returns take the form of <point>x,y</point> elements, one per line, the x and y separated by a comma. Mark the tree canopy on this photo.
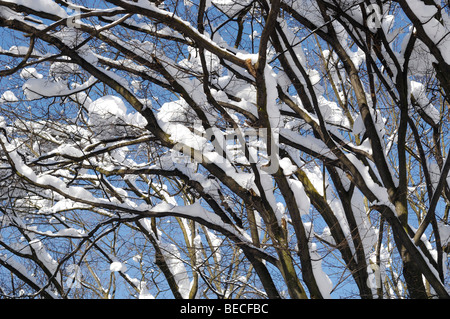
<point>224,149</point>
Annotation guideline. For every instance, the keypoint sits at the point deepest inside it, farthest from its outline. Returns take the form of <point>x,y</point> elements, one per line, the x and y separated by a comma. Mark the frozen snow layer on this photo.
<point>419,93</point>
<point>8,96</point>
<point>39,5</point>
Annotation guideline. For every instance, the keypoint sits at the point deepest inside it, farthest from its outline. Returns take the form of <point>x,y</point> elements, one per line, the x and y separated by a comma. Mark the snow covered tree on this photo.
<point>224,149</point>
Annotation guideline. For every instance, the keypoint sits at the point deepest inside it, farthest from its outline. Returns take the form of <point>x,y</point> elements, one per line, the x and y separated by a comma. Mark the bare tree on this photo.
<point>224,149</point>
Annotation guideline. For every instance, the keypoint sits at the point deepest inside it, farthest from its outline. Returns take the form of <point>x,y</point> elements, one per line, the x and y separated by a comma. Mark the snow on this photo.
<point>175,263</point>
<point>109,116</point>
<point>194,63</point>
<point>137,258</point>
<point>21,168</point>
<point>30,73</point>
<point>70,232</point>
<point>323,281</point>
<point>231,7</point>
<point>144,293</point>
<point>302,200</point>
<point>117,266</point>
<point>367,233</point>
<point>111,109</point>
<point>422,11</point>
<point>379,191</point>
<point>309,142</point>
<point>38,88</point>
<point>435,173</point>
<point>437,31</point>
<point>21,50</point>
<point>273,111</point>
<point>418,91</point>
<point>106,106</point>
<point>287,166</point>
<point>444,230</point>
<point>197,211</point>
<point>62,69</point>
<point>44,180</point>
<point>173,111</point>
<point>316,178</point>
<point>20,268</point>
<point>35,247</point>
<point>67,149</point>
<point>267,185</point>
<point>332,113</point>
<point>216,244</point>
<point>358,126</point>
